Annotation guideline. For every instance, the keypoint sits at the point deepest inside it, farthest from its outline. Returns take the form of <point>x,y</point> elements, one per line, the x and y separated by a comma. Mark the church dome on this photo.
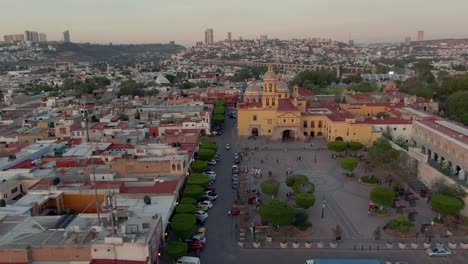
<point>253,88</point>
<point>281,86</point>
<point>270,74</point>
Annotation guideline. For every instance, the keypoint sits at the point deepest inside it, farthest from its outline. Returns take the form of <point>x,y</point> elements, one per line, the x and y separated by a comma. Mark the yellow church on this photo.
<point>269,109</point>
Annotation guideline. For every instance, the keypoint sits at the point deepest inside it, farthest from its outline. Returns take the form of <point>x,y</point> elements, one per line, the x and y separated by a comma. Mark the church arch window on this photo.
<point>268,101</point>
<point>271,87</point>
<point>273,101</point>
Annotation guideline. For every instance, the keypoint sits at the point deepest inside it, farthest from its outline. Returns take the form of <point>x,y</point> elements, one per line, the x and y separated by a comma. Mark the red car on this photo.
<point>235,211</point>
<point>210,188</point>
<point>196,246</point>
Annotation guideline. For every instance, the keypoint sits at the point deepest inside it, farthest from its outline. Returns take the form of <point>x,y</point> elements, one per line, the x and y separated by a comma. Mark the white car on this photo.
<point>210,196</point>
<point>228,147</point>
<point>196,238</point>
<point>212,162</point>
<point>438,252</point>
<point>206,203</point>
<point>201,214</point>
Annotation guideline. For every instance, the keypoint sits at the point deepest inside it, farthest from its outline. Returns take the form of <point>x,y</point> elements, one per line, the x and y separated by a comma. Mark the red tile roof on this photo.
<point>99,125</point>
<point>305,92</point>
<point>285,105</point>
<point>391,120</point>
<point>167,187</point>
<point>26,164</point>
<point>431,122</point>
<point>121,124</point>
<point>120,146</point>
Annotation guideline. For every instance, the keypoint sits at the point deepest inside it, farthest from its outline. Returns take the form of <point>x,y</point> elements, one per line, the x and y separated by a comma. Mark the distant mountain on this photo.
<point>74,52</point>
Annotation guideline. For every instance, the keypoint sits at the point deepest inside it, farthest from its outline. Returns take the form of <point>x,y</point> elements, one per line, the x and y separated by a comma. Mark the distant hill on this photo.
<point>73,52</point>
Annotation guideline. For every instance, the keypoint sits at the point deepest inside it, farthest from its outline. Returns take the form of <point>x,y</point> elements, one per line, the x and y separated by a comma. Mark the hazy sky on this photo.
<point>150,21</point>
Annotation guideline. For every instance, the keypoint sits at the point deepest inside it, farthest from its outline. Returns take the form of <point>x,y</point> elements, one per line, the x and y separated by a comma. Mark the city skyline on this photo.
<point>185,20</point>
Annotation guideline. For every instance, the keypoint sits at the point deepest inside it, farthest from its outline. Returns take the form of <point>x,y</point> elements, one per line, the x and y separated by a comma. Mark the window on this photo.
<point>320,124</point>
<point>305,124</point>
<point>292,120</point>
<point>279,95</point>
<point>312,123</point>
<point>404,129</point>
<point>14,190</point>
<point>269,130</point>
<point>305,134</point>
<point>284,120</point>
<point>254,118</point>
<point>5,195</point>
<point>273,101</point>
<point>270,121</point>
<point>319,134</point>
<point>268,101</point>
<point>394,129</point>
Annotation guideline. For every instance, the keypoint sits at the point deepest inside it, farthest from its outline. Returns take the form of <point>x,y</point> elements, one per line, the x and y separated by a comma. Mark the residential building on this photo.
<point>209,38</point>
<point>420,35</point>
<point>13,38</point>
<point>66,36</point>
<point>229,36</point>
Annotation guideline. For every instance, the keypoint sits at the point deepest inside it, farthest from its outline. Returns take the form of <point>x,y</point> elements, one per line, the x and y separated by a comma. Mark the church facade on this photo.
<point>270,109</point>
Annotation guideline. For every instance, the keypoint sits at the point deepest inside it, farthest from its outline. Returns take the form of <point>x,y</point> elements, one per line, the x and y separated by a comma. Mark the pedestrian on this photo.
<point>369,212</point>
<point>277,161</point>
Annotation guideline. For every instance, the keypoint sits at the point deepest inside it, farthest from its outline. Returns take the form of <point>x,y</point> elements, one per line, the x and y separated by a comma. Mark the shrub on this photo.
<point>370,179</point>
<point>176,249</point>
<point>305,200</point>
<point>218,119</point>
<point>199,179</point>
<point>349,164</point>
<point>354,145</point>
<point>400,223</point>
<point>185,209</point>
<point>209,145</point>
<point>199,166</point>
<point>183,225</point>
<point>277,212</point>
<point>208,141</point>
<point>301,220</point>
<point>270,187</point>
<point>382,196</point>
<point>194,191</point>
<point>206,154</point>
<point>188,200</point>
<point>291,179</point>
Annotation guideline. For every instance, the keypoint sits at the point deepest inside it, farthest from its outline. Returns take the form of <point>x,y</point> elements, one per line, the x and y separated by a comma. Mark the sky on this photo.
<point>184,21</point>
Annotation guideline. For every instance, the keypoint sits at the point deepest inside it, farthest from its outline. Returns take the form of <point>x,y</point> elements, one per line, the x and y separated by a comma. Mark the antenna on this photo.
<point>92,162</point>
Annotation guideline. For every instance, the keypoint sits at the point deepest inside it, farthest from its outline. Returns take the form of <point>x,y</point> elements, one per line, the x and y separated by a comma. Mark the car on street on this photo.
<point>188,260</point>
<point>235,177</point>
<point>235,185</point>
<point>217,157</point>
<point>210,197</point>
<point>234,212</point>
<point>196,246</point>
<point>228,146</point>
<point>438,252</point>
<point>206,203</point>
<point>210,173</point>
<point>237,161</point>
<point>202,207</point>
<point>236,156</point>
<point>201,231</point>
<point>212,162</point>
<point>210,188</point>
<point>201,215</point>
<point>235,169</point>
<point>197,238</point>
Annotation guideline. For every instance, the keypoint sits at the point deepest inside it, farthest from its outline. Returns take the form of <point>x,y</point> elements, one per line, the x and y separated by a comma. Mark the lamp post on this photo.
<point>323,208</point>
<point>315,159</point>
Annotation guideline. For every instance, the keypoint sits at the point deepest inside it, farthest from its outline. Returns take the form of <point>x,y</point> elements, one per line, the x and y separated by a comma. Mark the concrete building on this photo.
<point>264,37</point>
<point>209,38</point>
<point>42,37</point>
<point>408,41</point>
<point>13,38</point>
<point>229,36</point>
<point>31,36</point>
<point>66,36</point>
<point>420,35</point>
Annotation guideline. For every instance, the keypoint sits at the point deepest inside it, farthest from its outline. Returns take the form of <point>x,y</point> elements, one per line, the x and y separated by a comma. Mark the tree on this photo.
<point>199,179</point>
<point>454,190</point>
<point>270,187</point>
<point>218,119</point>
<point>183,225</point>
<point>131,87</point>
<point>337,146</point>
<point>349,164</point>
<point>382,196</point>
<point>446,205</point>
<point>277,212</point>
<point>194,191</point>
<point>354,145</point>
<point>383,155</point>
<point>400,223</point>
<point>208,141</point>
<point>176,249</point>
<point>206,154</point>
<point>199,166</point>
<point>301,220</point>
<point>188,200</point>
<point>300,183</point>
<point>185,209</point>
<point>291,179</point>
<point>209,145</point>
<point>457,108</point>
<point>305,200</point>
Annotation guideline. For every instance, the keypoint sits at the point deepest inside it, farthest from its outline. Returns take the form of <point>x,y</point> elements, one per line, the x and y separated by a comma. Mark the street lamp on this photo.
<point>323,208</point>
<point>315,159</point>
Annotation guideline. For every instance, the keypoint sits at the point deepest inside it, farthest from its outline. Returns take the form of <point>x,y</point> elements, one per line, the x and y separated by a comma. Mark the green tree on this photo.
<point>277,212</point>
<point>218,119</point>
<point>208,141</point>
<point>349,164</point>
<point>337,146</point>
<point>209,145</point>
<point>185,208</point>
<point>384,156</point>
<point>183,225</point>
<point>188,200</point>
<point>305,200</point>
<point>292,179</point>
<point>400,223</point>
<point>206,154</point>
<point>446,205</point>
<point>199,179</point>
<point>131,87</point>
<point>176,249</point>
<point>194,191</point>
<point>270,187</point>
<point>457,108</point>
<point>199,166</point>
<point>301,220</point>
<point>354,145</point>
<point>382,196</point>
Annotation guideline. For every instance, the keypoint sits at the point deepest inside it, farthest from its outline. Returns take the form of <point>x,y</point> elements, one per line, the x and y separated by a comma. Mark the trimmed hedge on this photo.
<point>446,205</point>
<point>370,179</point>
<point>382,196</point>
<point>199,166</point>
<point>305,200</point>
<point>206,154</point>
<point>199,179</point>
<point>188,200</point>
<point>185,209</point>
<point>176,249</point>
<point>194,191</point>
<point>183,225</point>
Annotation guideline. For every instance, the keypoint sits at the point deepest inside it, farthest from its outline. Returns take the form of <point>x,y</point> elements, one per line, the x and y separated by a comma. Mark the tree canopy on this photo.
<point>185,208</point>
<point>194,191</point>
<point>337,146</point>
<point>183,225</point>
<point>305,200</point>
<point>131,87</point>
<point>382,196</point>
<point>199,166</point>
<point>383,155</point>
<point>199,179</point>
<point>270,187</point>
<point>349,164</point>
<point>188,200</point>
<point>176,249</point>
<point>354,145</point>
<point>277,212</point>
<point>206,154</point>
<point>446,205</point>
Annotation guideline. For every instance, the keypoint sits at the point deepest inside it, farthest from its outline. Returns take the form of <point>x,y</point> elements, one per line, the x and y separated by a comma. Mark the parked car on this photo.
<point>235,177</point>
<point>217,157</point>
<point>201,231</point>
<point>209,171</point>
<point>206,203</point>
<point>211,197</point>
<point>235,169</point>
<point>202,207</point>
<point>210,188</point>
<point>438,252</point>
<point>234,211</point>
<point>235,185</point>
<point>237,161</point>
<point>212,162</point>
<point>196,238</point>
<point>236,156</point>
<point>201,215</point>
<point>228,147</point>
<point>196,246</point>
<point>188,260</point>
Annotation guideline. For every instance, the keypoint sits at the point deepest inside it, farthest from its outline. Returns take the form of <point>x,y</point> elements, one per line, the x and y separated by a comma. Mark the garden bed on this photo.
<point>401,234</point>
<point>382,212</point>
<point>369,181</point>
